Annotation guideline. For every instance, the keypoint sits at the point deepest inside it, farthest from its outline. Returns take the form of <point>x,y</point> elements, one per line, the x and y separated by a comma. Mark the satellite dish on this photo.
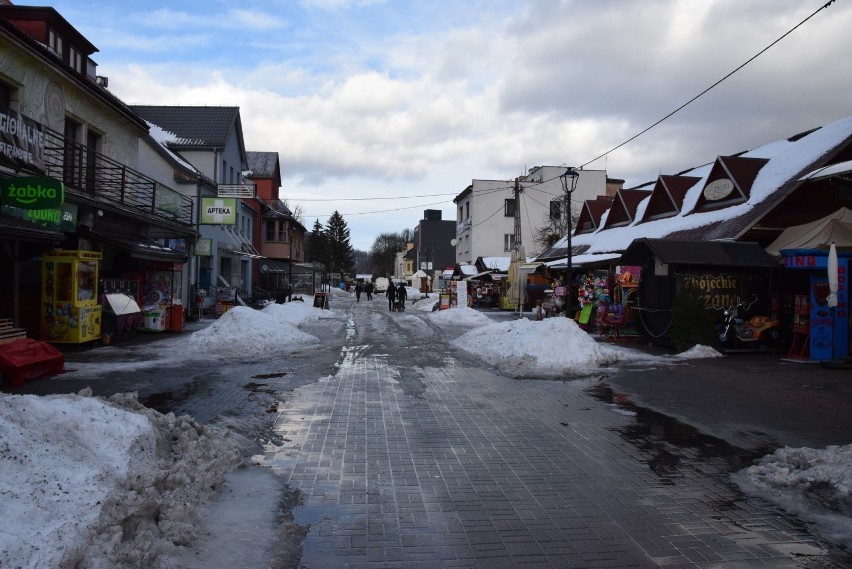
<point>454,242</point>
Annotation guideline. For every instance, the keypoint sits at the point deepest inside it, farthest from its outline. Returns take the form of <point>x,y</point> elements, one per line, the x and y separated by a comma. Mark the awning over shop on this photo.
<point>711,253</point>
<point>138,248</point>
<point>478,275</point>
<point>836,228</point>
<point>22,230</point>
<point>829,171</point>
<point>583,260</point>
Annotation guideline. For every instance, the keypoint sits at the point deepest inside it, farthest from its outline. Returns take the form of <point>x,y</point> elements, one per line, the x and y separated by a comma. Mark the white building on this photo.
<point>485,214</point>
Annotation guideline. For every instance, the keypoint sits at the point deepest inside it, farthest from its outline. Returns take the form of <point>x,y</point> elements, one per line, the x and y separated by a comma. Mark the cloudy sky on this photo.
<point>380,109</point>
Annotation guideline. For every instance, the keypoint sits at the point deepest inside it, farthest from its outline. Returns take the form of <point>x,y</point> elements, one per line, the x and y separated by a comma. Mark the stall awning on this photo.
<point>583,260</point>
<point>529,267</point>
<point>270,266</point>
<point>22,230</point>
<point>138,248</point>
<point>712,253</point>
<point>478,275</point>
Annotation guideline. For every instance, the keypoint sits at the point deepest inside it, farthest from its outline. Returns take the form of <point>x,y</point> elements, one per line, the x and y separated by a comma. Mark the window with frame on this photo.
<point>270,230</point>
<point>282,231</point>
<point>467,210</point>
<point>555,209</point>
<point>54,42</point>
<point>93,145</point>
<point>5,95</point>
<point>509,242</point>
<point>75,59</point>
<point>509,207</point>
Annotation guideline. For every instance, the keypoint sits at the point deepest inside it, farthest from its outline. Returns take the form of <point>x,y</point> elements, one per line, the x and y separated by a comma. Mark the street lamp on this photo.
<point>290,264</point>
<point>569,184</point>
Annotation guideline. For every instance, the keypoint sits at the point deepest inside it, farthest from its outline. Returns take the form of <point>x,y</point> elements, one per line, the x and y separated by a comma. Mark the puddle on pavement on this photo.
<point>668,443</point>
<point>165,401</point>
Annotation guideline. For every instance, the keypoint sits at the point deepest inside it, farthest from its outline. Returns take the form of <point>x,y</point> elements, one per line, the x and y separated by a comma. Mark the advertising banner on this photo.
<point>33,192</point>
<point>21,141</point>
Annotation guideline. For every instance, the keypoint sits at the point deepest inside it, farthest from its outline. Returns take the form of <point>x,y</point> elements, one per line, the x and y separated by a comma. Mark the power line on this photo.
<point>758,54</point>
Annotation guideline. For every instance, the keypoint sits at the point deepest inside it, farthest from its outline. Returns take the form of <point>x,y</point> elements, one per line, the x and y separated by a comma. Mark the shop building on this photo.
<point>688,219</point>
<point>67,139</point>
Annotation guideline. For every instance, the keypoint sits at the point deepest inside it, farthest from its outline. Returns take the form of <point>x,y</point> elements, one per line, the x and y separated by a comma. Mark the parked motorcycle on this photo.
<point>758,333</point>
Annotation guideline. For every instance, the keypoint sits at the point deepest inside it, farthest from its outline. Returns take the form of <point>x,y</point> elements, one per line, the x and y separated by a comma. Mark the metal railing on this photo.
<point>107,180</point>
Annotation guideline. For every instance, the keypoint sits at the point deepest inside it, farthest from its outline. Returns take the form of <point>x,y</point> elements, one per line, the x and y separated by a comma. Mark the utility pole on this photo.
<point>517,246</point>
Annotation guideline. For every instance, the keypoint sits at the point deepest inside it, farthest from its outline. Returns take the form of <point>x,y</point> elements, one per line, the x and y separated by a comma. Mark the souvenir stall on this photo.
<point>163,307</point>
<point>615,318</point>
<point>820,332</point>
<point>70,310</point>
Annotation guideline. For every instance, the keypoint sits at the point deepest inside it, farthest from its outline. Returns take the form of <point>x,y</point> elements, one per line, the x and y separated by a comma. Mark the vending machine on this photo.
<point>70,310</point>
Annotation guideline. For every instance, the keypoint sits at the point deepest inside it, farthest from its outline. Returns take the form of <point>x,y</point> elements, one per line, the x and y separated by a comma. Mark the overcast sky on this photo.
<point>394,99</point>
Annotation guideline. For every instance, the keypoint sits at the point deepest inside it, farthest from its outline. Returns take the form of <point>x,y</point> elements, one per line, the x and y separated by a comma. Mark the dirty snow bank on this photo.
<point>554,347</point>
<point>88,482</point>
<point>246,331</point>
<point>815,484</point>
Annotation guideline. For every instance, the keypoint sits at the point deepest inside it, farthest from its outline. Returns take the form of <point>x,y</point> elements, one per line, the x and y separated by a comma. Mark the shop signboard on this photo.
<point>21,141</point>
<point>63,218</point>
<point>721,290</point>
<point>204,247</point>
<point>168,200</point>
<point>32,192</point>
<point>218,211</point>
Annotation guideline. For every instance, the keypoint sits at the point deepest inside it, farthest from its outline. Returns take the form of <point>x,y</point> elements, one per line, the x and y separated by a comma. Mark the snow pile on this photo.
<point>699,351</point>
<point>815,484</point>
<point>460,316</point>
<point>246,331</point>
<point>551,348</point>
<point>98,483</point>
<point>295,313</point>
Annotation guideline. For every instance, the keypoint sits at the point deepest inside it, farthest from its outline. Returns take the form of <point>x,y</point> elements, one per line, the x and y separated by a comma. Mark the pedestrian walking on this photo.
<point>401,296</point>
<point>368,288</point>
<point>391,294</point>
<point>358,288</point>
<point>289,292</point>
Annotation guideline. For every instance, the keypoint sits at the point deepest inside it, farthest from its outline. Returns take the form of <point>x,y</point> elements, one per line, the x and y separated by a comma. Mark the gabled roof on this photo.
<point>735,174</point>
<point>591,214</point>
<point>667,196</point>
<point>772,188</point>
<point>194,127</point>
<point>624,207</point>
<point>263,164</point>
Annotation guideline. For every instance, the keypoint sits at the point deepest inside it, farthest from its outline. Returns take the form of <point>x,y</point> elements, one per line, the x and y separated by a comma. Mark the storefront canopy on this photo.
<point>818,234</point>
<point>270,266</point>
<point>138,248</point>
<point>710,253</point>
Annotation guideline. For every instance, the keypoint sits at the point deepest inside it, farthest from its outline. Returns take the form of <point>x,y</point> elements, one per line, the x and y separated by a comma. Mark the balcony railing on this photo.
<point>109,181</point>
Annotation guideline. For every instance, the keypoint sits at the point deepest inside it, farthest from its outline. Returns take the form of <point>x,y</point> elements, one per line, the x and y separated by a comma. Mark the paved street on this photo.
<point>393,450</point>
<point>408,457</point>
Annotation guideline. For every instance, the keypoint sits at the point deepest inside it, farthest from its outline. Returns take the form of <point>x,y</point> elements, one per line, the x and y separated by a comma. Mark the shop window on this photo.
<point>509,208</point>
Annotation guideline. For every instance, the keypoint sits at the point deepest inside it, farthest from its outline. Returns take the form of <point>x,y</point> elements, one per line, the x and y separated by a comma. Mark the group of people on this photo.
<point>397,295</point>
<point>368,288</point>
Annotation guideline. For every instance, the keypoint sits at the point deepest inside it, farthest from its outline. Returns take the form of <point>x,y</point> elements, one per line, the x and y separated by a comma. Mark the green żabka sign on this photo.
<point>32,193</point>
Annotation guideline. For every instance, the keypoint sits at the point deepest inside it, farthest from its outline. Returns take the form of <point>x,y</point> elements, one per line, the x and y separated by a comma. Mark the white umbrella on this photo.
<point>834,362</point>
<point>832,276</point>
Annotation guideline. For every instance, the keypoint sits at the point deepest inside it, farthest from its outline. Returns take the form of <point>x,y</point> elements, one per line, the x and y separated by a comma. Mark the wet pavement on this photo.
<point>478,470</point>
<point>396,451</point>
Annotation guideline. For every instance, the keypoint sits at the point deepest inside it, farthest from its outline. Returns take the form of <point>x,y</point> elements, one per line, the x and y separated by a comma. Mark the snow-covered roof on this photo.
<point>787,160</point>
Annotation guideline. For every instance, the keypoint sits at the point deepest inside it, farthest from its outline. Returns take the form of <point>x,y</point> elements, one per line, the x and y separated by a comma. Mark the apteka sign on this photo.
<point>218,211</point>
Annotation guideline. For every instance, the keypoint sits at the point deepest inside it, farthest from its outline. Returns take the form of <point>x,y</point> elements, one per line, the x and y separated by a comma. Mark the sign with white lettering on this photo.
<point>218,211</point>
<point>21,141</point>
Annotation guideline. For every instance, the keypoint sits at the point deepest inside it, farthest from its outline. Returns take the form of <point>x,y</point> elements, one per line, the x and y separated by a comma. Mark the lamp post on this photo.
<point>569,184</point>
<point>290,265</point>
